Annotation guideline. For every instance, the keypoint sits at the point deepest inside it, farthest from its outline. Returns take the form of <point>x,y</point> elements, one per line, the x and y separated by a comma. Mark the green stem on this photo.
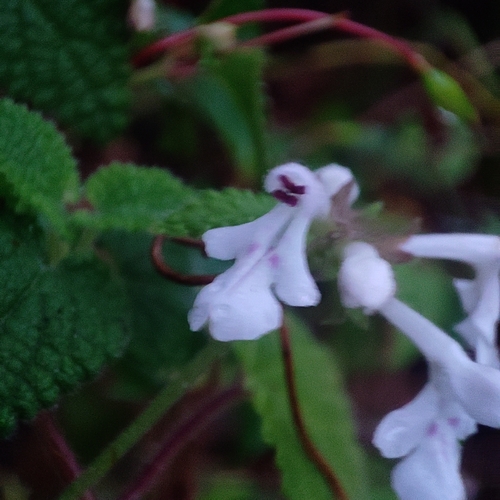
<point>189,377</point>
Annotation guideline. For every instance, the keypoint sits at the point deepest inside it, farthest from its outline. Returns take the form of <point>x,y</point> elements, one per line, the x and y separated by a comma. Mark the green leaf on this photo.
<point>59,326</point>
<point>124,196</point>
<point>36,164</point>
<point>69,59</point>
<point>162,340</point>
<point>211,209</point>
<point>447,93</point>
<point>218,9</point>
<point>323,403</point>
<point>228,94</point>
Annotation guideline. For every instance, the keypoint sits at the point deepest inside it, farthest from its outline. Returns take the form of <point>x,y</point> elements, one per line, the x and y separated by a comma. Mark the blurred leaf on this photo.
<point>447,93</point>
<point>324,405</point>
<point>171,20</point>
<point>229,487</point>
<point>125,196</point>
<point>68,59</point>
<point>228,94</point>
<point>426,287</point>
<point>217,9</point>
<point>209,209</point>
<point>162,341</point>
<point>59,325</point>
<point>36,165</point>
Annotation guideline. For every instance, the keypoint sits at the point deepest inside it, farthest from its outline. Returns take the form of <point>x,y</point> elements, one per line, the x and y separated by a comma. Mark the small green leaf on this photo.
<point>36,164</point>
<point>209,209</point>
<point>323,403</point>
<point>124,196</point>
<point>228,94</point>
<point>447,93</point>
<point>69,59</point>
<point>59,326</point>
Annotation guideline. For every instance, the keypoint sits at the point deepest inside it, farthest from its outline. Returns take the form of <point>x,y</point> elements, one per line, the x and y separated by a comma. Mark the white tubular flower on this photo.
<point>432,470</point>
<point>365,279</point>
<point>270,252</point>
<point>475,387</point>
<point>481,296</point>
<point>427,432</point>
<point>460,392</point>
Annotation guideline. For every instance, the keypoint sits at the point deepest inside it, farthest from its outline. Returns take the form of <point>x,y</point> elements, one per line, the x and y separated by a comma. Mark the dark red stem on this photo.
<point>305,16</point>
<point>166,271</point>
<point>185,433</point>
<point>309,447</point>
<point>67,463</point>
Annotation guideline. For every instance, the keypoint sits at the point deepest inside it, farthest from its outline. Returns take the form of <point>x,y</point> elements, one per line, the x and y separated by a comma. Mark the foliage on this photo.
<point>102,149</point>
<point>326,413</point>
<point>70,62</point>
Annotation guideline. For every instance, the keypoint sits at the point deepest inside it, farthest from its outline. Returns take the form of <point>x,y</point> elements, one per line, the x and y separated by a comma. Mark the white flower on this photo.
<point>459,394</point>
<point>426,432</point>
<point>480,296</point>
<point>365,280</point>
<point>270,252</point>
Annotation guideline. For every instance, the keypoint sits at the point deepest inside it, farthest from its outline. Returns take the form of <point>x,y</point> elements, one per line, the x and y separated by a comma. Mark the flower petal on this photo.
<point>314,202</point>
<point>477,388</point>
<point>475,249</point>
<point>401,430</point>
<point>226,243</point>
<point>334,177</point>
<point>238,309</point>
<point>432,471</point>
<point>294,284</point>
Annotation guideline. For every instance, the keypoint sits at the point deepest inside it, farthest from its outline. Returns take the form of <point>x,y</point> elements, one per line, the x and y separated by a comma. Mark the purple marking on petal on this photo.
<point>274,260</point>
<point>432,430</point>
<point>284,197</point>
<point>252,247</point>
<point>454,421</point>
<point>290,186</point>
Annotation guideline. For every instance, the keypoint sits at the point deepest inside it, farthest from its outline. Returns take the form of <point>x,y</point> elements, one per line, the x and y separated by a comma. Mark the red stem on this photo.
<point>309,447</point>
<point>288,15</point>
<point>185,433</point>
<point>166,271</point>
<point>68,466</point>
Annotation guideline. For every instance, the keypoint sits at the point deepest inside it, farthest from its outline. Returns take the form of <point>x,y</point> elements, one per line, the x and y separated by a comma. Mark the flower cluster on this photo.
<point>271,266</point>
<point>270,256</point>
<point>460,392</point>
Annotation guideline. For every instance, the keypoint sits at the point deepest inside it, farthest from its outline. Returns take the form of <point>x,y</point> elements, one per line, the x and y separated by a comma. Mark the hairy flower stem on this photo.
<point>67,465</point>
<point>309,447</point>
<point>189,377</point>
<point>171,274</point>
<point>310,22</point>
<point>184,434</point>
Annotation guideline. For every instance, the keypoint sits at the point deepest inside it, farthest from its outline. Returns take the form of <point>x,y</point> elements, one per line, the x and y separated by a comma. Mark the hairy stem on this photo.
<point>309,447</point>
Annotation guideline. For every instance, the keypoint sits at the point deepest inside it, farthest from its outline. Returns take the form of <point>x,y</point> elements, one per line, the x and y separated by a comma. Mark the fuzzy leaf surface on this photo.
<point>125,196</point>
<point>324,406</point>
<point>69,59</point>
<point>210,208</point>
<point>58,326</point>
<point>36,166</point>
